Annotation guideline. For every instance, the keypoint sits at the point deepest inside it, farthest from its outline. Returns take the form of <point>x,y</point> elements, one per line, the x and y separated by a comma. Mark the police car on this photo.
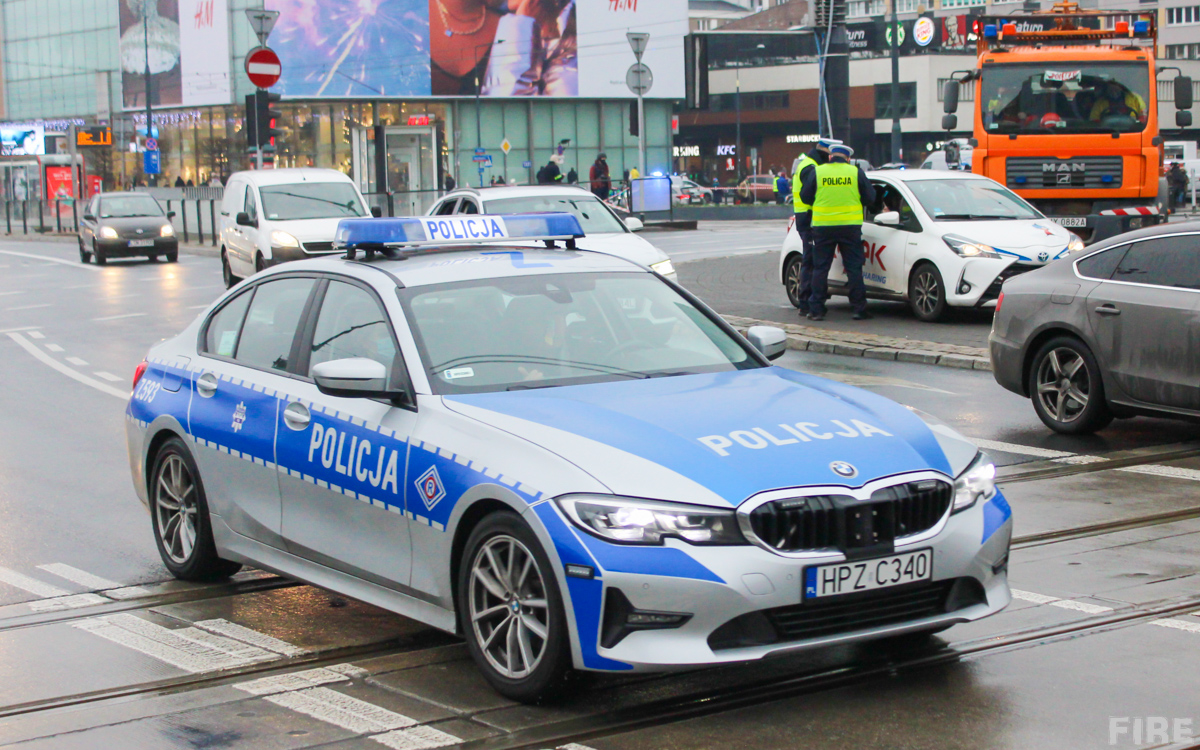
<point>558,454</point>
<point>940,239</point>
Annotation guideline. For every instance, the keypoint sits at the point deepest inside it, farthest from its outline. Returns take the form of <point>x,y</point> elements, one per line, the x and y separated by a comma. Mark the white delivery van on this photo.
<point>275,215</point>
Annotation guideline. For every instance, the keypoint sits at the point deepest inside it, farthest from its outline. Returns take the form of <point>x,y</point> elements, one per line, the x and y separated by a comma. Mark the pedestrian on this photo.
<point>817,155</point>
<point>634,174</point>
<point>179,181</point>
<point>215,181</point>
<point>781,188</point>
<point>1177,182</point>
<point>550,174</point>
<point>448,183</point>
<point>601,183</point>
<point>573,177</point>
<point>837,192</point>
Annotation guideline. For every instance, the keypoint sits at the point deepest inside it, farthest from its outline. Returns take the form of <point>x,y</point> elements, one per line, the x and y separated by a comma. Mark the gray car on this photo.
<point>1113,331</point>
<point>125,225</point>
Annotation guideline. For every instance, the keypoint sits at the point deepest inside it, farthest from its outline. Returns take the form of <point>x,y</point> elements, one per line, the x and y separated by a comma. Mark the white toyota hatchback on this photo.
<point>606,232</point>
<point>940,239</point>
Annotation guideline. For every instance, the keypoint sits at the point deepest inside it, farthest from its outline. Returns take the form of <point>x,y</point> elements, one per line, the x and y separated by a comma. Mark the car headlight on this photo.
<point>108,233</point>
<point>663,267</point>
<point>166,231</point>
<point>636,521</point>
<point>1075,244</point>
<point>970,248</point>
<point>283,239</point>
<point>977,482</point>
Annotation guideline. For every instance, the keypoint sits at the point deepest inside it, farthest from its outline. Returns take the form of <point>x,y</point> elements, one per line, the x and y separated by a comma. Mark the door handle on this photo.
<point>296,416</point>
<point>1108,310</point>
<point>206,385</point>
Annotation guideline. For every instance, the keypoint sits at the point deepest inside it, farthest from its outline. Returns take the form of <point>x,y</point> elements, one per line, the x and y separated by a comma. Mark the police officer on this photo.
<point>837,192</point>
<point>818,154</point>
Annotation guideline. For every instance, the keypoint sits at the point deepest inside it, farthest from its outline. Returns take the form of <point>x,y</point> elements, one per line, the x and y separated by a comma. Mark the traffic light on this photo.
<point>266,119</point>
<point>251,127</point>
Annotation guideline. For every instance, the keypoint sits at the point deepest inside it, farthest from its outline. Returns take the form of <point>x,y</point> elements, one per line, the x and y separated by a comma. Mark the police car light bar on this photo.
<point>373,235</point>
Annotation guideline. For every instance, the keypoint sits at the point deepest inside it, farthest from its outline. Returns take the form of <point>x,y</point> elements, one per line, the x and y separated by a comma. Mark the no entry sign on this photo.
<point>263,68</point>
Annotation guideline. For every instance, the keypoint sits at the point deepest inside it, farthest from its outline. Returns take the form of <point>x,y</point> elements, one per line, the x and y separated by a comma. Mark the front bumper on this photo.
<point>120,248</point>
<point>285,254</point>
<point>979,281</point>
<point>757,590</point>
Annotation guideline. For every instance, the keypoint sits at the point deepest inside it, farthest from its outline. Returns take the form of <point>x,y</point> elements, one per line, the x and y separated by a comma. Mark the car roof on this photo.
<point>291,176</point>
<point>441,265</point>
<point>1141,234</point>
<point>918,175</point>
<point>519,191</point>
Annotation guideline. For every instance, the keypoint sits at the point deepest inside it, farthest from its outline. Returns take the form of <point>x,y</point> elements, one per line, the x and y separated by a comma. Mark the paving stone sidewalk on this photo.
<point>874,346</point>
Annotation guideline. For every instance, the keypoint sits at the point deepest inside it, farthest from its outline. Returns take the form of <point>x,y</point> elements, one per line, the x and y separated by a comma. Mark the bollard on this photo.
<point>24,214</point>
<point>58,214</point>
<point>199,224</point>
<point>74,215</point>
<point>212,220</point>
<point>8,215</point>
<point>183,218</point>
<point>41,218</point>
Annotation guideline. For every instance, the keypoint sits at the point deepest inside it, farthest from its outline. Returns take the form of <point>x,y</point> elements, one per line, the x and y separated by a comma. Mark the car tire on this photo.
<point>227,272</point>
<point>260,265</point>
<point>536,666</point>
<point>84,255</point>
<point>173,256</point>
<point>926,293</point>
<point>791,281</point>
<point>152,258</point>
<point>180,519</point>
<point>98,254</point>
<point>1066,388</point>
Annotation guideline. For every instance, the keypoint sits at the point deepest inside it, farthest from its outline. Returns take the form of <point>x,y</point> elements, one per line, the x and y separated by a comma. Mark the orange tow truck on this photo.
<point>1066,115</point>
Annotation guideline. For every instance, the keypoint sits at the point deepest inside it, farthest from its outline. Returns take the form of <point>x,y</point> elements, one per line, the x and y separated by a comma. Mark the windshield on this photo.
<point>592,214</point>
<point>963,200</point>
<point>311,200</point>
<point>562,329</point>
<point>124,206</point>
<point>1066,97</point>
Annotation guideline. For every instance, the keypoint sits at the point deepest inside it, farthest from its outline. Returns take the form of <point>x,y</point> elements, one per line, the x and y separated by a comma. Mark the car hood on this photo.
<point>1036,241</point>
<point>625,245</point>
<point>308,230</point>
<point>717,439</point>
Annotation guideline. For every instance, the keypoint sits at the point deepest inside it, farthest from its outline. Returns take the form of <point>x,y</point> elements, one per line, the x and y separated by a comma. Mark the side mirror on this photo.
<point>356,377</point>
<point>949,122</point>
<point>1183,92</point>
<point>89,217</point>
<point>1183,119</point>
<point>888,218</point>
<point>770,341</point>
<point>634,224</point>
<point>950,97</point>
<point>243,220</point>
<point>377,212</point>
<point>170,214</point>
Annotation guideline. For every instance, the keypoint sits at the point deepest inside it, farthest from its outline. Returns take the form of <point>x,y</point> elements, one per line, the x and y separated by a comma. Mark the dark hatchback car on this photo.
<point>1112,331</point>
<point>123,225</point>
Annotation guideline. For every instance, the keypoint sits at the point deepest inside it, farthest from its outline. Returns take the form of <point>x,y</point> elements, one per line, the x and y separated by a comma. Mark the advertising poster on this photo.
<point>496,48</point>
<point>17,139</point>
<point>185,42</point>
<point>58,182</point>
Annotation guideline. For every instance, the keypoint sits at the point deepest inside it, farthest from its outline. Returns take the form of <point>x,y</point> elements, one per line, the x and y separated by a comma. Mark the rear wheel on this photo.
<point>926,293</point>
<point>791,282</point>
<point>511,610</point>
<point>179,513</point>
<point>1066,387</point>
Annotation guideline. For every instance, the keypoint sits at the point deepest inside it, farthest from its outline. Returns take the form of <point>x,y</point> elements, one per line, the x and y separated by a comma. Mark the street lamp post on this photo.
<point>478,90</point>
<point>737,103</point>
<point>151,178</point>
<point>897,138</point>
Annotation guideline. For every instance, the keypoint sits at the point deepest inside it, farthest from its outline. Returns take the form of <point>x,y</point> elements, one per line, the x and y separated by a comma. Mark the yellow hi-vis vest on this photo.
<point>797,204</point>
<point>837,202</point>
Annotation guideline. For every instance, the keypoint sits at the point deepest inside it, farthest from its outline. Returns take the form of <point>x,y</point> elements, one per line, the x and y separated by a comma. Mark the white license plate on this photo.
<point>1070,221</point>
<point>141,243</point>
<point>868,575</point>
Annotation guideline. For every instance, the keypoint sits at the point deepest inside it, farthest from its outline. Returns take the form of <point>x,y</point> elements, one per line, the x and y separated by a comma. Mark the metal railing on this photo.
<point>194,217</point>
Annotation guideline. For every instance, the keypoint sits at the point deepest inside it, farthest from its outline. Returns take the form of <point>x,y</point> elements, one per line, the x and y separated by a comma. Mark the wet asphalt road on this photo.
<point>1102,639</point>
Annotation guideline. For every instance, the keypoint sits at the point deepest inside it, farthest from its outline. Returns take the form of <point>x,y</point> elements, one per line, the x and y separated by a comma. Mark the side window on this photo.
<point>352,324</point>
<point>889,198</point>
<point>1101,265</point>
<point>1165,261</point>
<point>220,337</point>
<point>468,207</point>
<point>251,207</point>
<point>271,323</point>
<point>447,208</point>
<point>94,207</point>
<point>235,196</point>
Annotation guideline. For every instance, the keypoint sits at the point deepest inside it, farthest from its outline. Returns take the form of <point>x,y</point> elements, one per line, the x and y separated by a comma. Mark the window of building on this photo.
<point>961,3</point>
<point>883,100</point>
<point>966,91</point>
<point>1182,52</point>
<point>1183,16</point>
<point>861,8</point>
<point>908,6</point>
<point>750,100</point>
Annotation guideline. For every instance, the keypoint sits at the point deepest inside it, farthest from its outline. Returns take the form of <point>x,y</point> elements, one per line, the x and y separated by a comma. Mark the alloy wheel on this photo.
<point>927,290</point>
<point>175,509</point>
<point>792,283</point>
<point>509,610</point>
<point>1063,384</point>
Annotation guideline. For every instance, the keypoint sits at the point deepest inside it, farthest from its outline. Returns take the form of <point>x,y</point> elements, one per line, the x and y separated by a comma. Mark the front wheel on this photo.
<point>179,513</point>
<point>511,610</point>
<point>927,293</point>
<point>84,255</point>
<point>1066,389</point>
<point>227,272</point>
<point>792,282</point>
<point>98,254</point>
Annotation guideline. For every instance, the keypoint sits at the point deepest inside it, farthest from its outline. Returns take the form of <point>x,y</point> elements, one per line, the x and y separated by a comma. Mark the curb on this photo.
<point>869,346</point>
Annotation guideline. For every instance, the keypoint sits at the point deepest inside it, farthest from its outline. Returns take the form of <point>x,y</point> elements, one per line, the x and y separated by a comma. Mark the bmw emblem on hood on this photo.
<point>843,469</point>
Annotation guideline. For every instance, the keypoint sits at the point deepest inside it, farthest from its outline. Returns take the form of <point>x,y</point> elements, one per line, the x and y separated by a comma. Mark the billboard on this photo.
<point>22,139</point>
<point>496,48</point>
<point>186,45</point>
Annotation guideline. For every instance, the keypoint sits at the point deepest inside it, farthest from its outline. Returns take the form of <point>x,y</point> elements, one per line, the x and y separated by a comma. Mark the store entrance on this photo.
<point>404,170</point>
